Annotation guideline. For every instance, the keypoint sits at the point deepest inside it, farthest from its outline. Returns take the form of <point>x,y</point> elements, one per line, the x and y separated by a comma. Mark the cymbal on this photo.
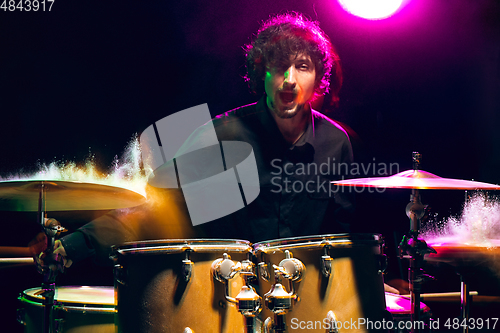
<point>22,196</point>
<point>458,253</point>
<point>417,179</point>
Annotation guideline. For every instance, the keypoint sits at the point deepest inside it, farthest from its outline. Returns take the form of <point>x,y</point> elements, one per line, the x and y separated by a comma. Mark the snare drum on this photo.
<point>342,280</point>
<point>400,309</point>
<point>76,310</point>
<point>167,286</point>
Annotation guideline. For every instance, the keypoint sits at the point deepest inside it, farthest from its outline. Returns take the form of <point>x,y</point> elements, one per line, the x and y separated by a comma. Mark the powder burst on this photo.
<point>129,171</point>
<point>478,225</point>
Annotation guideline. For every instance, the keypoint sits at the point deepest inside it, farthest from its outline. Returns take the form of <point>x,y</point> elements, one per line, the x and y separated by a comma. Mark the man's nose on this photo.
<point>290,76</point>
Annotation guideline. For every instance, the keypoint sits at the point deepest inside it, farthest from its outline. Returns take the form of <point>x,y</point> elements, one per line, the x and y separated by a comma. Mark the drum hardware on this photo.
<point>415,247</point>
<point>54,262</point>
<point>278,325</point>
<point>464,300</point>
<point>326,262</point>
<point>333,326</point>
<point>383,262</point>
<point>247,300</point>
<point>278,300</point>
<point>187,267</point>
<point>264,271</point>
<point>293,269</point>
<point>188,330</point>
<point>120,274</point>
<point>224,269</point>
<point>59,318</point>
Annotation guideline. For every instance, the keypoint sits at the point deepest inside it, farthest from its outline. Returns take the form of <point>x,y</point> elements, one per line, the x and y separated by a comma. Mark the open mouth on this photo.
<point>287,97</point>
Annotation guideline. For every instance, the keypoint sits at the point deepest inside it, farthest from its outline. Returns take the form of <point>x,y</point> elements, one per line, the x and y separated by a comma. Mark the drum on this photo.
<point>341,282</point>
<point>168,286</point>
<point>400,309</point>
<point>77,310</point>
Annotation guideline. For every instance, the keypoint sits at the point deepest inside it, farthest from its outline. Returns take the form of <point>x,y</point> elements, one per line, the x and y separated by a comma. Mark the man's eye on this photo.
<point>303,67</point>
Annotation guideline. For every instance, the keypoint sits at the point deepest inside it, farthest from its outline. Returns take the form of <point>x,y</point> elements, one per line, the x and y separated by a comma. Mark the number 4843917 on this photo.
<point>27,5</point>
<point>472,323</point>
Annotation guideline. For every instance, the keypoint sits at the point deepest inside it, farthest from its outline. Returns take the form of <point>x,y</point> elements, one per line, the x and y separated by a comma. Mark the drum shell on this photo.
<point>72,314</point>
<point>153,297</point>
<point>354,290</point>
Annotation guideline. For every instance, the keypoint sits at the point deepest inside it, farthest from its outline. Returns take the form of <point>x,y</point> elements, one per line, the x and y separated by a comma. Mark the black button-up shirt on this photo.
<point>295,199</point>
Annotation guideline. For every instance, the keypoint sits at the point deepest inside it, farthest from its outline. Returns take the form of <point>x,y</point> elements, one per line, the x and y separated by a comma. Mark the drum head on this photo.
<point>76,295</point>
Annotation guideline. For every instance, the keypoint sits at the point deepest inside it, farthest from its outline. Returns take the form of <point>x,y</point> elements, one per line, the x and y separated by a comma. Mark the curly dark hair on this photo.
<point>291,34</point>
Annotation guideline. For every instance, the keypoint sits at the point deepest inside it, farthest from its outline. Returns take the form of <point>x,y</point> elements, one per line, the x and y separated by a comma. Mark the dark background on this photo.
<point>84,77</point>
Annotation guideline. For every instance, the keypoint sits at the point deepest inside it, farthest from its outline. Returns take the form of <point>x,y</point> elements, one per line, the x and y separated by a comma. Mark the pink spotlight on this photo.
<point>371,9</point>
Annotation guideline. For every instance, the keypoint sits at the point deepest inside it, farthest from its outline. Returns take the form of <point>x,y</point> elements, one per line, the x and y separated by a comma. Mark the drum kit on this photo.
<point>325,282</point>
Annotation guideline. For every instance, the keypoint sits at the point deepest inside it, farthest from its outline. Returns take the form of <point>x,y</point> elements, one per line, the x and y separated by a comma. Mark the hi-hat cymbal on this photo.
<point>23,196</point>
<point>417,179</point>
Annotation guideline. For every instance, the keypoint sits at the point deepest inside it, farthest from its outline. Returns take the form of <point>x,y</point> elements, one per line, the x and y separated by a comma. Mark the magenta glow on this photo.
<point>371,9</point>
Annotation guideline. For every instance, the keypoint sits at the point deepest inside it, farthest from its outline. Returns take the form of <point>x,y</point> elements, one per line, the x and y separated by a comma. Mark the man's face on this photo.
<point>290,87</point>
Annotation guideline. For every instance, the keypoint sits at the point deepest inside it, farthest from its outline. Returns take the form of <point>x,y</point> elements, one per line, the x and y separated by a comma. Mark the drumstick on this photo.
<point>6,263</point>
<point>16,260</point>
<point>443,295</point>
<point>455,297</point>
<point>14,251</point>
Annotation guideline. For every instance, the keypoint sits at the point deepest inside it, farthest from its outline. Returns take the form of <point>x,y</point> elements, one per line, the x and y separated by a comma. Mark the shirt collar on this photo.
<point>269,124</point>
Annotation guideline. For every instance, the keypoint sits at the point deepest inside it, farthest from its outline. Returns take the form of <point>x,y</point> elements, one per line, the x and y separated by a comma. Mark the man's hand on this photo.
<point>38,247</point>
<point>397,286</point>
<point>389,289</point>
<point>59,249</point>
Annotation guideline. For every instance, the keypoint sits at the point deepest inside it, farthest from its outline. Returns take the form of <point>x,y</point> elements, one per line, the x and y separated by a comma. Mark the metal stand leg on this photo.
<point>414,291</point>
<point>249,324</point>
<point>280,323</point>
<point>53,263</point>
<point>48,303</point>
<point>464,300</point>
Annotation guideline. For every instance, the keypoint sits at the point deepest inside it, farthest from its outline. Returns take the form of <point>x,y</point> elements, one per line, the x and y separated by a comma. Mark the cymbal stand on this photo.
<point>415,249</point>
<point>52,261</point>
<point>464,303</point>
<point>464,294</point>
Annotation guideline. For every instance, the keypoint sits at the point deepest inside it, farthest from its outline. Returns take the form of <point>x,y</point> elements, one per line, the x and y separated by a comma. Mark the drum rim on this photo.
<point>182,245</point>
<point>88,306</point>
<point>336,240</point>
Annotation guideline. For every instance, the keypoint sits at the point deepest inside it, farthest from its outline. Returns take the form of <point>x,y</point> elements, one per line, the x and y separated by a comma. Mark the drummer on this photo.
<point>290,63</point>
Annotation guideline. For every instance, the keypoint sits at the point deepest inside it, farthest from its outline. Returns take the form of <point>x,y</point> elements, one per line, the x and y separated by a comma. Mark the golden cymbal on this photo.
<point>457,253</point>
<point>23,196</point>
<point>417,179</point>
